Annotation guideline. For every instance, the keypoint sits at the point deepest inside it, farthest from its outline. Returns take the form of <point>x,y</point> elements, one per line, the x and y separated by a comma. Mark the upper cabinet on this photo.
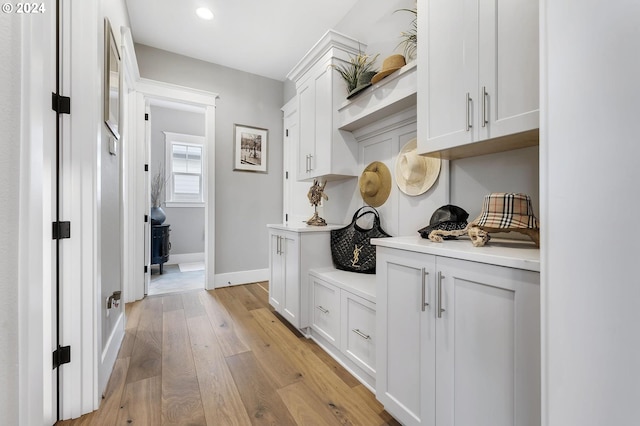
<point>479,92</point>
<point>324,150</point>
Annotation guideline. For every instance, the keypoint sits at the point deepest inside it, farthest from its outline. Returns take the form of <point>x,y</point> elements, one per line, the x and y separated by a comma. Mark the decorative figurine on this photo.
<point>315,195</point>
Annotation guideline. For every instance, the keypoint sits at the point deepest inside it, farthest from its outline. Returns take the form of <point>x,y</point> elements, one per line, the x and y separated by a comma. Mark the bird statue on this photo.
<point>315,195</point>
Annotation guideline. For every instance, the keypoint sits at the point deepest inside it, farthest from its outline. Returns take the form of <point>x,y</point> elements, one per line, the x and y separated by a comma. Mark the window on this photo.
<point>185,169</point>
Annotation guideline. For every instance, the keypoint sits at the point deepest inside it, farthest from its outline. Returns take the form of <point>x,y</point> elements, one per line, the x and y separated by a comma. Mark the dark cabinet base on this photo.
<point>160,244</point>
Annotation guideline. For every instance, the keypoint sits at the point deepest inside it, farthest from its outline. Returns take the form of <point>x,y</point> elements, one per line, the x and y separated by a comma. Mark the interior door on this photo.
<point>147,197</point>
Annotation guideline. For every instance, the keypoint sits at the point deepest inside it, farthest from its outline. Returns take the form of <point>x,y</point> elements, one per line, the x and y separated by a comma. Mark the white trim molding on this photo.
<point>175,259</point>
<point>241,277</point>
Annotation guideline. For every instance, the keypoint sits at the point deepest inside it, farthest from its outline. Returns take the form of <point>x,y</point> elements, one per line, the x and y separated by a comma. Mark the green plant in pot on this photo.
<point>410,37</point>
<point>357,66</point>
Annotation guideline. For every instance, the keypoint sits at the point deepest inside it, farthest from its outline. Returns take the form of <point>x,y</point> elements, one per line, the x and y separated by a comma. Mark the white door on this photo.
<point>487,345</point>
<point>405,324</point>
<point>291,291</point>
<point>147,197</point>
<point>276,280</point>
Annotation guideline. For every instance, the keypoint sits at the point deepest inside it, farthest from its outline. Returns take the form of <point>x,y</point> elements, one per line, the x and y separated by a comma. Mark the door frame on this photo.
<point>138,155</point>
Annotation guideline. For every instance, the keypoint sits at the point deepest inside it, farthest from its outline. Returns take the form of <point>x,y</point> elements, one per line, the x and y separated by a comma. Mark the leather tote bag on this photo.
<point>351,249</point>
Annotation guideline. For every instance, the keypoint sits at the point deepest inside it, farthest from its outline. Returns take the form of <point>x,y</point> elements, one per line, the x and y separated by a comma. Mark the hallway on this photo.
<point>222,357</point>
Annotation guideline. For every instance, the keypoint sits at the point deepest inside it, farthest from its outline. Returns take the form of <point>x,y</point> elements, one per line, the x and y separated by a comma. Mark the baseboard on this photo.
<point>241,277</point>
<point>175,259</point>
<point>110,353</point>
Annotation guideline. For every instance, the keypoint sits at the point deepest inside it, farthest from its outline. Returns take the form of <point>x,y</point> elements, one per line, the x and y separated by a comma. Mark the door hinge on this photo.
<point>62,355</point>
<point>146,116</point>
<point>286,175</point>
<point>146,218</point>
<point>146,269</point>
<point>146,167</point>
<point>61,230</point>
<point>287,132</point>
<point>61,104</point>
<point>286,217</point>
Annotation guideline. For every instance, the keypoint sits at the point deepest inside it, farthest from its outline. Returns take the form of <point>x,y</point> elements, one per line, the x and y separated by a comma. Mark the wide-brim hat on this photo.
<point>446,218</point>
<point>364,81</point>
<point>507,210</point>
<point>375,184</point>
<point>390,65</point>
<point>415,174</point>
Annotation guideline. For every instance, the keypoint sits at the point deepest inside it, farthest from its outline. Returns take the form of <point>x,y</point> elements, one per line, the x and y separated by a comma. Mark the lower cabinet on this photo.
<point>344,321</point>
<point>292,252</point>
<point>458,341</point>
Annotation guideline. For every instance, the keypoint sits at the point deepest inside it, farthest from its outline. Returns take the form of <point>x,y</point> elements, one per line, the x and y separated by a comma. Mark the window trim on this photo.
<point>180,138</point>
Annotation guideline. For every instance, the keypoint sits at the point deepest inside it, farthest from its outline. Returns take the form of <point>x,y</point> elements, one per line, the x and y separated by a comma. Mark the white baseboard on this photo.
<point>110,353</point>
<point>175,259</point>
<point>241,277</point>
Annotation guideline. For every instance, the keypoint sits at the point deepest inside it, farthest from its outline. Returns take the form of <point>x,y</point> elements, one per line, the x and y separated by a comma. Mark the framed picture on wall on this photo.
<point>250,150</point>
<point>111,81</point>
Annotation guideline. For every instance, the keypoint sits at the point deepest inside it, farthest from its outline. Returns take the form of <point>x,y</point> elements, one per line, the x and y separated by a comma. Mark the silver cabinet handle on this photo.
<point>424,289</point>
<point>321,309</point>
<point>484,106</point>
<point>279,249</point>
<point>468,102</point>
<point>440,308</point>
<point>361,334</point>
<point>307,164</point>
<point>310,162</point>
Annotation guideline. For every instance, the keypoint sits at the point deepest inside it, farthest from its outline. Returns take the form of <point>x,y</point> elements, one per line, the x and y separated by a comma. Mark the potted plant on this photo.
<point>352,70</point>
<point>410,37</point>
<point>158,183</point>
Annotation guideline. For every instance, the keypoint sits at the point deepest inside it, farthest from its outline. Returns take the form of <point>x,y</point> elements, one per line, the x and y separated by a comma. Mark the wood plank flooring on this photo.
<point>223,357</point>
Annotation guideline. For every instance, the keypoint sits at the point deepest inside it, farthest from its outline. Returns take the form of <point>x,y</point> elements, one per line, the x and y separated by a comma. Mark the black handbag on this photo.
<point>351,249</point>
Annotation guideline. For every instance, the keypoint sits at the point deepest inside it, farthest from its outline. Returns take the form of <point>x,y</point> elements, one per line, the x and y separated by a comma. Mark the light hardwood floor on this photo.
<point>223,357</point>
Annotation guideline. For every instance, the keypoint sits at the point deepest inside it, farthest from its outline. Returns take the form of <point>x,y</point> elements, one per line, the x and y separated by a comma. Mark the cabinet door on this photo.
<point>322,158</point>
<point>359,331</point>
<point>405,323</point>
<point>290,308</point>
<point>307,141</point>
<point>508,67</point>
<point>487,345</point>
<point>325,315</point>
<point>276,271</point>
<point>451,60</point>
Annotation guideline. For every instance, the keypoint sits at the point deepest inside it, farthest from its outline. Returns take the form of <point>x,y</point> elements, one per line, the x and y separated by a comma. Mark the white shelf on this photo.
<point>390,95</point>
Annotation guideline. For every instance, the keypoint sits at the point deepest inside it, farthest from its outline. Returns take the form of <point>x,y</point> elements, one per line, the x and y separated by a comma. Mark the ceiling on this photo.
<point>261,37</point>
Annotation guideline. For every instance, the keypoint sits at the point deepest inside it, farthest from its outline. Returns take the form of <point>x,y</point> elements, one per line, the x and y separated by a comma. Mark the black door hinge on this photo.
<point>146,269</point>
<point>61,230</point>
<point>146,117</point>
<point>62,355</point>
<point>146,167</point>
<point>287,132</point>
<point>286,217</point>
<point>61,104</point>
<point>286,175</point>
<point>146,218</point>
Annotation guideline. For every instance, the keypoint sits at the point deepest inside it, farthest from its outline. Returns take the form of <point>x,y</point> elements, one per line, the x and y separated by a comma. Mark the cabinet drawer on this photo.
<point>325,310</point>
<point>359,331</point>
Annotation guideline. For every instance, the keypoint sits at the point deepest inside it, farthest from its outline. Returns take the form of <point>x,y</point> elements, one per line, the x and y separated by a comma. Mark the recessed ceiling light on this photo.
<point>204,13</point>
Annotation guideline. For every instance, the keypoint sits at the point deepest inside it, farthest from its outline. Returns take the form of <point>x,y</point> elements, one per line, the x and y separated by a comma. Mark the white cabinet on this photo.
<point>325,310</point>
<point>293,250</point>
<point>481,79</point>
<point>344,319</point>
<point>324,150</point>
<point>458,341</point>
<point>359,331</point>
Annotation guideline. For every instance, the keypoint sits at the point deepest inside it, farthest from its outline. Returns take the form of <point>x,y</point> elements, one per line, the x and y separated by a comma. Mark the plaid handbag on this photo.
<point>351,249</point>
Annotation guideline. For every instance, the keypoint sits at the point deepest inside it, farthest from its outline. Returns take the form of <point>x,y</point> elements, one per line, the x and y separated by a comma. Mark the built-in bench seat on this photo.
<point>363,285</point>
<point>342,314</point>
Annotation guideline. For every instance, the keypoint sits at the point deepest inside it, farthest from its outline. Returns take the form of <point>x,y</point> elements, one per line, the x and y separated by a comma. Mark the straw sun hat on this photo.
<point>375,184</point>
<point>415,174</point>
<point>390,65</point>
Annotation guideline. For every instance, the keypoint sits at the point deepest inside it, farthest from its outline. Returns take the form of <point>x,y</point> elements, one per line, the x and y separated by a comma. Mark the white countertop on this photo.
<point>303,227</point>
<point>520,254</point>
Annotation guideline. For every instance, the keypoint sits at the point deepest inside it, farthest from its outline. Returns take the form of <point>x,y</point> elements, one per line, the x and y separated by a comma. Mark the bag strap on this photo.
<point>357,216</point>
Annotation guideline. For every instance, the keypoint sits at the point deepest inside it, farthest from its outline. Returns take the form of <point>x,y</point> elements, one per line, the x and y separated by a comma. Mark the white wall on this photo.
<point>245,202</point>
<point>9,175</point>
<point>589,193</point>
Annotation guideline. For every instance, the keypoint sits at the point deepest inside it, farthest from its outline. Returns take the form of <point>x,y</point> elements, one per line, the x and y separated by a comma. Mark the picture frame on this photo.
<point>250,148</point>
<point>111,110</point>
